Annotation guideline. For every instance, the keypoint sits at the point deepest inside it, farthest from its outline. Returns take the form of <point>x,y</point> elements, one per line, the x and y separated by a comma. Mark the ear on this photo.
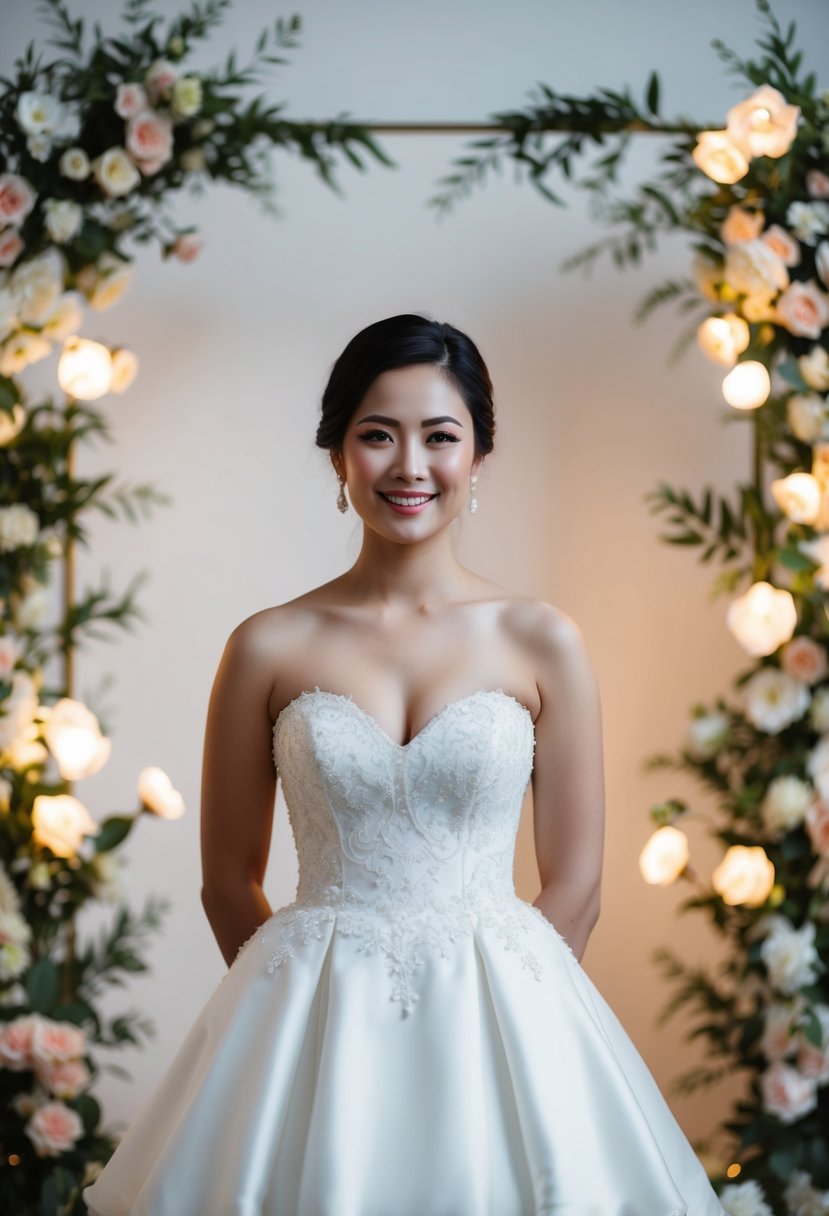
<point>337,462</point>
<point>476,465</point>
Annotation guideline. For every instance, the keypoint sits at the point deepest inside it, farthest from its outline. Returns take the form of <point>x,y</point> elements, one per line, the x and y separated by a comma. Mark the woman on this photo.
<point>408,1037</point>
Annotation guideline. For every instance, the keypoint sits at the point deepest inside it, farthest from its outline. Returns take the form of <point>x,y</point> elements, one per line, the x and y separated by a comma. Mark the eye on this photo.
<point>372,434</point>
<point>445,435</point>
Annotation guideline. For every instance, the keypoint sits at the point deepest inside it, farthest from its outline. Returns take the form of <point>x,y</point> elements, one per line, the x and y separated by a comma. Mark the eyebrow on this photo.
<point>394,422</point>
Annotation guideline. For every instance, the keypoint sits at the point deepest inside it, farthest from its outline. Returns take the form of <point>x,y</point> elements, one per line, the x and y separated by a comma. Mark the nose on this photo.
<point>411,461</point>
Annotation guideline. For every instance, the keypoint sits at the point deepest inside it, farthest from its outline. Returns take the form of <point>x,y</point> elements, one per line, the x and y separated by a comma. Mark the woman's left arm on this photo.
<point>568,780</point>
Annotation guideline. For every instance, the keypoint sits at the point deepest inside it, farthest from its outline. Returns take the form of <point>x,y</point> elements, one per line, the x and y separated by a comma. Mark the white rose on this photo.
<point>706,734</point>
<point>39,147</point>
<point>74,164</point>
<point>744,1199</point>
<point>19,526</point>
<point>115,172</point>
<point>753,269</point>
<point>31,609</point>
<point>806,414</point>
<point>786,1093</point>
<point>36,285</point>
<point>774,700</point>
<point>63,219</point>
<point>785,804</point>
<point>790,956</point>
<point>802,1199</point>
<point>39,112</point>
<point>809,220</point>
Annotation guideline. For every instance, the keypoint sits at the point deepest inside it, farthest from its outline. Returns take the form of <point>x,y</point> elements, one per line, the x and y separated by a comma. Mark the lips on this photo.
<point>403,494</point>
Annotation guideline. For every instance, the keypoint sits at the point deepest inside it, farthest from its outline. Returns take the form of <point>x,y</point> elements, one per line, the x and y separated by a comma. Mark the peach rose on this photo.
<point>16,1042</point>
<point>817,183</point>
<point>56,1042</point>
<point>150,138</point>
<point>740,224</point>
<point>783,244</point>
<point>11,246</point>
<point>53,1129</point>
<point>16,199</point>
<point>130,100</point>
<point>719,157</point>
<point>817,825</point>
<point>805,659</point>
<point>764,124</point>
<point>803,309</point>
<point>66,1079</point>
<point>786,1093</point>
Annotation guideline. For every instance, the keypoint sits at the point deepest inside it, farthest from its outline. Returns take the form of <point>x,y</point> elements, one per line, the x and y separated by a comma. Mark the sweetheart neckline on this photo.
<point>349,700</point>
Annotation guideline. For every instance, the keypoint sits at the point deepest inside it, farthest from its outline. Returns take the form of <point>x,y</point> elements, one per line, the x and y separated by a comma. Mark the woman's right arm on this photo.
<point>238,787</point>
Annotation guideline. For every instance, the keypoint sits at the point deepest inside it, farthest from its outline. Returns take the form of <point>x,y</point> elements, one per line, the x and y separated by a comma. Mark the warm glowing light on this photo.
<point>84,369</point>
<point>74,738</point>
<point>156,792</point>
<point>664,856</point>
<point>733,1170</point>
<point>723,338</point>
<point>747,385</point>
<point>744,876</point>
<point>798,497</point>
<point>762,619</point>
<point>60,823</point>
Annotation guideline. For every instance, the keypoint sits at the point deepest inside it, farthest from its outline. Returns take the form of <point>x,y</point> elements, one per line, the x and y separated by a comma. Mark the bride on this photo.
<point>407,415</point>
<point>407,1037</point>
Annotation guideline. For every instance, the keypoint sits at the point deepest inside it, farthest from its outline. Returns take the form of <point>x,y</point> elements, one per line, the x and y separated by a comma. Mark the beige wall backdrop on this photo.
<point>235,349</point>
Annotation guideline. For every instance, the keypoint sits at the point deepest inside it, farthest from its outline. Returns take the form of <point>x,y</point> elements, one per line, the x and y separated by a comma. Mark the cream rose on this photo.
<point>21,350</point>
<point>706,734</point>
<point>61,822</point>
<point>786,802</point>
<point>187,96</point>
<point>753,269</point>
<point>806,414</point>
<point>19,526</point>
<point>16,199</point>
<point>719,157</point>
<point>774,700</point>
<point>814,368</point>
<point>65,318</point>
<point>115,172</point>
<point>744,876</point>
<point>798,496</point>
<point>124,369</point>
<point>36,285</point>
<point>156,793</point>
<point>74,164</point>
<point>763,618</point>
<point>764,124</point>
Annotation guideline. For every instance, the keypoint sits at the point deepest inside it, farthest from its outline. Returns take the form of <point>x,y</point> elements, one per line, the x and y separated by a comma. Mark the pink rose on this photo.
<point>16,1042</point>
<point>11,246</point>
<point>804,659</point>
<point>130,100</point>
<point>817,184</point>
<point>149,167</point>
<point>817,825</point>
<point>65,1079</point>
<point>187,247</point>
<point>16,199</point>
<point>160,78</point>
<point>150,137</point>
<point>803,309</point>
<point>783,244</point>
<point>813,1061</point>
<point>786,1093</point>
<point>53,1042</point>
<point>53,1129</point>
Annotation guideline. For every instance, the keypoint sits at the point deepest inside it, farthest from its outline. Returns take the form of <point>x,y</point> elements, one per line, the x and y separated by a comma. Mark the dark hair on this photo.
<point>399,342</point>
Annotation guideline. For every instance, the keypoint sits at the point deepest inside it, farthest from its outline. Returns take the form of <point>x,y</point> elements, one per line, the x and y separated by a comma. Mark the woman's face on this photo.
<point>411,437</point>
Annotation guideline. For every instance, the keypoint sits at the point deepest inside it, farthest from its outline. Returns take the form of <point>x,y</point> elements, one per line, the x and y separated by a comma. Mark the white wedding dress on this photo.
<point>408,1037</point>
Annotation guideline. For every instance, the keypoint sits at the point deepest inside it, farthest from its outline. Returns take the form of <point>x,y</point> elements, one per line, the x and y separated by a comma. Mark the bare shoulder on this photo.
<point>554,646</point>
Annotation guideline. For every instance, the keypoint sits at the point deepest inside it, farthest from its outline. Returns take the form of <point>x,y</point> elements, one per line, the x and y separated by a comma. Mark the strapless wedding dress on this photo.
<point>408,1037</point>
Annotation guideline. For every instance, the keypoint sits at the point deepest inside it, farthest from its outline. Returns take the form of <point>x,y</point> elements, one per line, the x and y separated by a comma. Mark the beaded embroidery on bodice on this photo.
<point>405,846</point>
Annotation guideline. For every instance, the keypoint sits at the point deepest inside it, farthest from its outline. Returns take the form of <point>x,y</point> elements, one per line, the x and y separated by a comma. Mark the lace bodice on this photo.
<point>407,846</point>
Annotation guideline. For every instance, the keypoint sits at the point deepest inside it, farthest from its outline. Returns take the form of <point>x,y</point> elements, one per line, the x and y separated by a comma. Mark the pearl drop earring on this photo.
<point>473,502</point>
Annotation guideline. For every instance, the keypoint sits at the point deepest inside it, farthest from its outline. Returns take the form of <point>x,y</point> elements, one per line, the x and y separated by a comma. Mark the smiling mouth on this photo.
<point>407,500</point>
